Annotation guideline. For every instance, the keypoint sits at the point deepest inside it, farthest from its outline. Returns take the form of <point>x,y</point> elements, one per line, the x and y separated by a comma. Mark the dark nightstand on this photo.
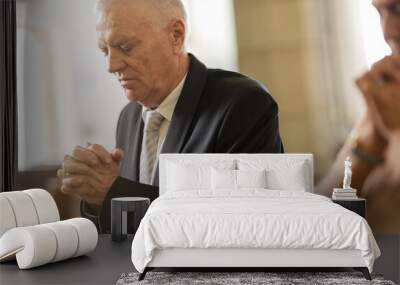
<point>357,206</point>
<point>120,207</point>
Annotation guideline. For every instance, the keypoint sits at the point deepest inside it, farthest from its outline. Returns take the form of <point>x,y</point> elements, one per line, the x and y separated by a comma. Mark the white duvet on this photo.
<point>250,219</point>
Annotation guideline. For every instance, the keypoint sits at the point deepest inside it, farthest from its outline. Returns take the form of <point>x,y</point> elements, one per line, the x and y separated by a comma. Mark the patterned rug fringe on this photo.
<point>253,278</point>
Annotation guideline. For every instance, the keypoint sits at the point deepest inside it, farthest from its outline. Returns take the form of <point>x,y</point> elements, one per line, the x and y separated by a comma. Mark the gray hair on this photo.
<point>169,8</point>
<point>174,7</point>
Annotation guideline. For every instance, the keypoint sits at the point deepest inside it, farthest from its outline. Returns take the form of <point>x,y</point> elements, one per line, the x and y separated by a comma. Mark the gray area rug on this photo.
<point>269,278</point>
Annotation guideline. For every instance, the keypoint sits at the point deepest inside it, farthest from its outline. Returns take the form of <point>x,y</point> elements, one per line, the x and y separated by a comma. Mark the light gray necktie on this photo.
<point>148,155</point>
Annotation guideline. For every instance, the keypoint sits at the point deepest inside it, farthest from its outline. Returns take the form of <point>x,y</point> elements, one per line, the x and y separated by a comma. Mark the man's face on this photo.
<point>139,52</point>
<point>389,11</point>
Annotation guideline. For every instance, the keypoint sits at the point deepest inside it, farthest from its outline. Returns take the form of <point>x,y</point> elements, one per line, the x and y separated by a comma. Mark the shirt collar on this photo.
<point>167,107</point>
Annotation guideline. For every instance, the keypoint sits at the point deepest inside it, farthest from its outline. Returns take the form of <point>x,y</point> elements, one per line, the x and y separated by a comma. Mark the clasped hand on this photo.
<point>89,173</point>
<point>381,90</point>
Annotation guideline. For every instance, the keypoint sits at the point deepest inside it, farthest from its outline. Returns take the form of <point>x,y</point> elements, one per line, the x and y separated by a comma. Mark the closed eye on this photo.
<point>125,49</point>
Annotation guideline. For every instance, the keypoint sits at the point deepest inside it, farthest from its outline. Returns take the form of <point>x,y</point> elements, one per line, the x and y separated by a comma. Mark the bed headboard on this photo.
<point>274,160</point>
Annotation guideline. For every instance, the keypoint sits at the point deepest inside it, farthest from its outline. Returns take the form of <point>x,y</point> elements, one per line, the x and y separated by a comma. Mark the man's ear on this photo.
<point>177,30</point>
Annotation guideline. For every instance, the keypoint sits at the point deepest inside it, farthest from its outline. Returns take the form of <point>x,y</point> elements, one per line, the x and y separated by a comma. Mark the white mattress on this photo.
<point>252,219</point>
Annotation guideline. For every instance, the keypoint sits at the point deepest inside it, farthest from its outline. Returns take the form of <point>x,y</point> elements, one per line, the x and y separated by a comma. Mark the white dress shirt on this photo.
<point>166,109</point>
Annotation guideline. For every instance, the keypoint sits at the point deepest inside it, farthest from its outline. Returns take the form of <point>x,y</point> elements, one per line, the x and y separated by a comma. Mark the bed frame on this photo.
<point>241,260</point>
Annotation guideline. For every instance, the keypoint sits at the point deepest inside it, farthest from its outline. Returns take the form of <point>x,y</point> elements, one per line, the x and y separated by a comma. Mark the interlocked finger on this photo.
<point>74,181</point>
<point>101,153</point>
<point>74,166</point>
<point>61,173</point>
<point>85,155</point>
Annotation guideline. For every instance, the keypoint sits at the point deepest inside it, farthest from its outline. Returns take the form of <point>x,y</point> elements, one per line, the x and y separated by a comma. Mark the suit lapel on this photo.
<point>185,109</point>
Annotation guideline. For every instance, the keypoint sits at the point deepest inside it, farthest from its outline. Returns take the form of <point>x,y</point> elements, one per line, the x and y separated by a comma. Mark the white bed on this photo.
<point>201,220</point>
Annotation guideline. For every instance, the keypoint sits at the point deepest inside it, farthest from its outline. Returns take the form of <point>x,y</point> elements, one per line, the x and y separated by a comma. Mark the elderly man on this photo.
<point>177,105</point>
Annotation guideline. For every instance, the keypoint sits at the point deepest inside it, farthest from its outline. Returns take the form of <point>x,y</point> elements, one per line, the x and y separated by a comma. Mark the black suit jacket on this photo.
<point>218,112</point>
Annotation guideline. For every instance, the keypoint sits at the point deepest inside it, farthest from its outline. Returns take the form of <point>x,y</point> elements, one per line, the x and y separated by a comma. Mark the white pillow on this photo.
<point>185,174</point>
<point>251,178</point>
<point>223,179</point>
<point>238,179</point>
<point>292,175</point>
<point>290,181</point>
<point>181,178</point>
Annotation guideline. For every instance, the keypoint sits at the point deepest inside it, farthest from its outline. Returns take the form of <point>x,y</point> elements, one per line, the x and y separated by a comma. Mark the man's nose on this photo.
<point>114,63</point>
